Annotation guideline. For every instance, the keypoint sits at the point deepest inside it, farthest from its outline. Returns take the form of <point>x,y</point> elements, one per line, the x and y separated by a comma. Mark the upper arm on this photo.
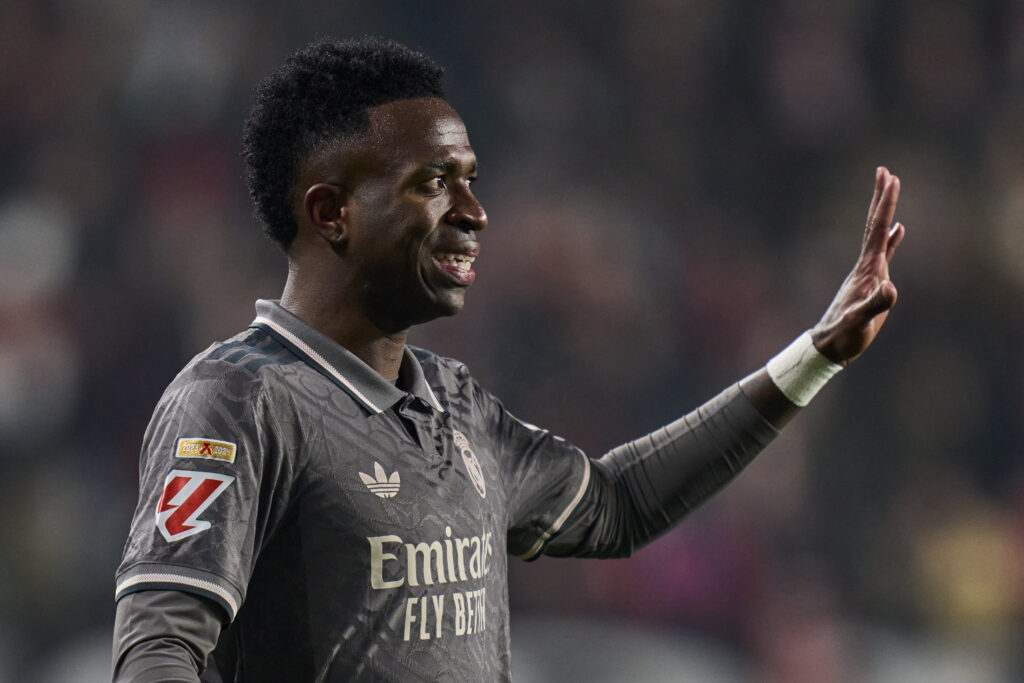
<point>545,479</point>
<point>213,484</point>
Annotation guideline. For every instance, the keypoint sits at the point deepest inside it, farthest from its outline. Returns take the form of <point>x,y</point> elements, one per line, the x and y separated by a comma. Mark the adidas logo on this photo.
<point>381,484</point>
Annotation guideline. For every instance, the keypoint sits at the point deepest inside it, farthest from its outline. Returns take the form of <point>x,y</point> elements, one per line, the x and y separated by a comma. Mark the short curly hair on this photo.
<point>319,96</point>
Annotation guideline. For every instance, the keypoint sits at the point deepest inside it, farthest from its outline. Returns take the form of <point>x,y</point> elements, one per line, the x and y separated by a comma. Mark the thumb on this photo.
<point>881,300</point>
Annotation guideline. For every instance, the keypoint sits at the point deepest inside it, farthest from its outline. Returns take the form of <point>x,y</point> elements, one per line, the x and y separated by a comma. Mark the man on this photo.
<point>320,501</point>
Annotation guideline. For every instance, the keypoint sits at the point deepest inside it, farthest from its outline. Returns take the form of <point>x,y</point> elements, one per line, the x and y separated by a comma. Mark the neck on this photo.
<point>345,323</point>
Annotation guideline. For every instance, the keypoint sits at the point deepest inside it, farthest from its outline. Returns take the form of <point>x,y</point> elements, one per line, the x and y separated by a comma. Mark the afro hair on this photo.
<point>320,95</point>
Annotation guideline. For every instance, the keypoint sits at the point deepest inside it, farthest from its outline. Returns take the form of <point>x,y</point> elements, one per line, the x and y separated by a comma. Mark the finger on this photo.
<point>880,301</point>
<point>878,232</point>
<point>895,237</point>
<point>881,174</point>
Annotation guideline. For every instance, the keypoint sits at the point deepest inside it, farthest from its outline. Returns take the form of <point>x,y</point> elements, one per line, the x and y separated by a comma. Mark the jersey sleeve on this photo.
<point>213,484</point>
<point>545,478</point>
<point>641,489</point>
<point>164,637</point>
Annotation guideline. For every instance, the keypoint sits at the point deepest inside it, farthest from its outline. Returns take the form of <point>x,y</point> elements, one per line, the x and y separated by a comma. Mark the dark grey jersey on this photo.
<point>351,529</point>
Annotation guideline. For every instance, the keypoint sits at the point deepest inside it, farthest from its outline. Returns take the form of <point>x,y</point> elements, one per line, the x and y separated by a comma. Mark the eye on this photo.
<point>435,184</point>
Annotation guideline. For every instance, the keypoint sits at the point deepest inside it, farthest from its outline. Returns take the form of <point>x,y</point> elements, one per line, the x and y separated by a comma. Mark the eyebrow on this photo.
<point>448,166</point>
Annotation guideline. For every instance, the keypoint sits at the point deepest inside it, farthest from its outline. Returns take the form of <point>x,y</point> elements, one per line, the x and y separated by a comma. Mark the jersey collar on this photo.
<point>338,364</point>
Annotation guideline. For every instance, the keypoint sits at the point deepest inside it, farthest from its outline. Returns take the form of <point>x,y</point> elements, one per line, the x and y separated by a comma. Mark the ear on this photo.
<point>326,208</point>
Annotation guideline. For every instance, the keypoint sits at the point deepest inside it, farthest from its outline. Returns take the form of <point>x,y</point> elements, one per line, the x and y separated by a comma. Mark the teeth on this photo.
<point>461,261</point>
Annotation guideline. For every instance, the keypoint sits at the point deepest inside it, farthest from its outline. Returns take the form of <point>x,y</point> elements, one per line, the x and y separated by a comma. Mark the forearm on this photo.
<point>159,660</point>
<point>642,488</point>
<point>163,637</point>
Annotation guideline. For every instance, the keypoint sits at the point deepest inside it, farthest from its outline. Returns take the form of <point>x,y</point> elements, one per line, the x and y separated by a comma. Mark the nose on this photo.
<point>467,212</point>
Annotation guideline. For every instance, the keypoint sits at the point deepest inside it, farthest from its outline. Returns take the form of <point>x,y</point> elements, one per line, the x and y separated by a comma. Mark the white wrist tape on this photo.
<point>800,370</point>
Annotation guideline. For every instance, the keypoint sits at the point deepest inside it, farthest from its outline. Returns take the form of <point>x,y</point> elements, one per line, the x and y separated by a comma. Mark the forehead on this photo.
<point>415,131</point>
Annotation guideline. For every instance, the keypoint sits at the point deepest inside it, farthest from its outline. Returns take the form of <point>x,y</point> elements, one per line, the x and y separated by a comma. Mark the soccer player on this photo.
<point>320,501</point>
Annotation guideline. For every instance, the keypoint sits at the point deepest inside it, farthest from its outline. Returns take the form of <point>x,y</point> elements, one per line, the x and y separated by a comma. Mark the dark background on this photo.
<point>675,188</point>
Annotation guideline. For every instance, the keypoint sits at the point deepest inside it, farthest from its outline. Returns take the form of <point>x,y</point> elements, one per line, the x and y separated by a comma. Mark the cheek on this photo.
<point>419,227</point>
<point>402,230</point>
<point>403,245</point>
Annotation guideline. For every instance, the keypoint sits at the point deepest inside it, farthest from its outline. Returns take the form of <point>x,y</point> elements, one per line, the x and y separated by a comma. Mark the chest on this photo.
<point>394,541</point>
<point>411,472</point>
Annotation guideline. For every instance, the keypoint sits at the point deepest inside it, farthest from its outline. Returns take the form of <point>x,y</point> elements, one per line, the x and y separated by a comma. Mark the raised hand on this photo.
<point>862,303</point>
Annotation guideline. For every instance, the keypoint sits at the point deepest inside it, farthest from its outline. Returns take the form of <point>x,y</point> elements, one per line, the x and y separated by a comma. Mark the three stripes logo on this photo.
<point>381,484</point>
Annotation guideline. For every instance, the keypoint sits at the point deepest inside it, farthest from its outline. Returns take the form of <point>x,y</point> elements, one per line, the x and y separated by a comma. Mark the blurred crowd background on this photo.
<point>676,188</point>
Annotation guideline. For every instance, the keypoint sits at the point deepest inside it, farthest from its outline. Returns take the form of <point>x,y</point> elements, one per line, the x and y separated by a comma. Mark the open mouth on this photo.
<point>458,266</point>
<point>463,262</point>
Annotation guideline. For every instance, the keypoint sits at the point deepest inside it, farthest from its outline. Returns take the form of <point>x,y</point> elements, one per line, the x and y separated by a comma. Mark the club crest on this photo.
<point>476,473</point>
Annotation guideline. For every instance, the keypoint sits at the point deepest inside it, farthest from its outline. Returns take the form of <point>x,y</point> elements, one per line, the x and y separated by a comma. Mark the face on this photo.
<point>411,217</point>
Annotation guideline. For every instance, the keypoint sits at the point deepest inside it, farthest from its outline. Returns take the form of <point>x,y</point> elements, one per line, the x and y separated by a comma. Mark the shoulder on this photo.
<point>234,370</point>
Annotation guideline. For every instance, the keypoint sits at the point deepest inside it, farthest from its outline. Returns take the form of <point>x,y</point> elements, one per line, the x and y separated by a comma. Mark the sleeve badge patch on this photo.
<point>186,495</point>
<point>205,448</point>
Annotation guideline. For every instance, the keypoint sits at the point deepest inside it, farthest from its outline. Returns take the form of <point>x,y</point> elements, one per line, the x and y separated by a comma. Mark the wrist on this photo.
<point>825,339</point>
<point>800,370</point>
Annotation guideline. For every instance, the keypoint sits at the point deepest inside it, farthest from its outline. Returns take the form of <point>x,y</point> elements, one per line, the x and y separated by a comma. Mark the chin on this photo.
<point>428,311</point>
<point>446,308</point>
<point>455,302</point>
